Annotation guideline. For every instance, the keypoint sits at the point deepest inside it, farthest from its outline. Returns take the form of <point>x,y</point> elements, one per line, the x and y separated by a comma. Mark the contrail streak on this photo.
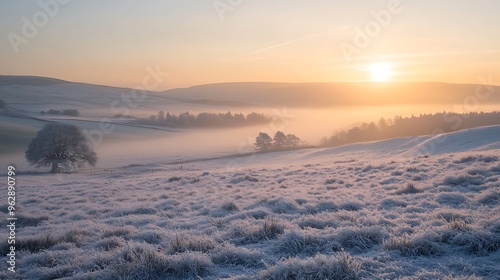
<point>278,45</point>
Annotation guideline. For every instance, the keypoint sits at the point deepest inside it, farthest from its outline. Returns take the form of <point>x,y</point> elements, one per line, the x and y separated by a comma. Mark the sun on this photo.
<point>381,72</point>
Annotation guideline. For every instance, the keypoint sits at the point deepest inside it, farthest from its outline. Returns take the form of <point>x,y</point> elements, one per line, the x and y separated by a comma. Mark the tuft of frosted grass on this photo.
<point>318,221</point>
<point>361,238</point>
<point>29,221</point>
<point>480,158</point>
<point>479,242</point>
<point>140,261</point>
<point>229,206</point>
<point>151,237</point>
<point>42,242</point>
<point>389,203</point>
<point>489,198</point>
<point>135,211</point>
<point>330,181</point>
<point>229,254</point>
<point>174,179</point>
<point>319,267</point>
<point>463,180</point>
<point>452,215</point>
<point>123,231</point>
<point>325,206</point>
<point>466,159</point>
<point>110,243</point>
<point>410,188</point>
<point>246,232</point>
<point>438,275</point>
<point>271,228</point>
<point>451,199</point>
<point>282,205</point>
<point>351,206</point>
<point>247,178</point>
<point>294,242</point>
<point>412,169</point>
<point>180,244</point>
<point>422,245</point>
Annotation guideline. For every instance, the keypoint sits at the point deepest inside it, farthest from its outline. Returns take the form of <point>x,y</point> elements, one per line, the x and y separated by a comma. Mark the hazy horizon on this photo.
<point>207,42</point>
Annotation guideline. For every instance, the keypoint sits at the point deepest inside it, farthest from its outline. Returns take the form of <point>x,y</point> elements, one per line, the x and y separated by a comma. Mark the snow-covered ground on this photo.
<point>412,208</point>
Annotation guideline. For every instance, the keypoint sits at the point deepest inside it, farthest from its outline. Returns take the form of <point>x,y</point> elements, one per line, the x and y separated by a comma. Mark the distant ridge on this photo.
<point>29,81</point>
<point>264,94</point>
<point>340,94</point>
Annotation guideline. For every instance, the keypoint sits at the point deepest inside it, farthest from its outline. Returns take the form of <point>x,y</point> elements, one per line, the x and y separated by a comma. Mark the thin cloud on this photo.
<point>428,54</point>
<point>277,45</point>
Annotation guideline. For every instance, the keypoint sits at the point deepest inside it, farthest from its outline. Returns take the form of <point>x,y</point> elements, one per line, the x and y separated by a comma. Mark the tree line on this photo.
<point>67,112</point>
<point>204,119</point>
<point>423,124</point>
<point>264,142</point>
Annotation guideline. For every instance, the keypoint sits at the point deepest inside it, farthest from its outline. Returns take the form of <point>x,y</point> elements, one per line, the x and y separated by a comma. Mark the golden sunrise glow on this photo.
<point>220,41</point>
<point>381,72</point>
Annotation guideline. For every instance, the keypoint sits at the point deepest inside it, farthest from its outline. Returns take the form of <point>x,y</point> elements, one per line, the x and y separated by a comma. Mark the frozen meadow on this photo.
<point>412,208</point>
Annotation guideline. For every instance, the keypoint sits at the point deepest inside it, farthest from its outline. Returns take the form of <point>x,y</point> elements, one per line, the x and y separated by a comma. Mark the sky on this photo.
<point>196,42</point>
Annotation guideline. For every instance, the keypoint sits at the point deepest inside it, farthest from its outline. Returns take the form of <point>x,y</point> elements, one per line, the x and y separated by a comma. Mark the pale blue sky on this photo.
<point>112,42</point>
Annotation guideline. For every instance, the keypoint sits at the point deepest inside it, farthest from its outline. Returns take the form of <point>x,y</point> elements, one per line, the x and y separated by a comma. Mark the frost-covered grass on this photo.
<point>289,215</point>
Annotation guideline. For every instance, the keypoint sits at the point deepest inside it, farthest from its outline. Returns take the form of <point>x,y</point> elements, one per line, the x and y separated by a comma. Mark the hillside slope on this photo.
<point>365,211</point>
<point>340,94</point>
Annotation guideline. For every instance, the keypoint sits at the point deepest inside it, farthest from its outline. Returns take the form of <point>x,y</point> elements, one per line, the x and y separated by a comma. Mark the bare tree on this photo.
<point>60,144</point>
<point>263,141</point>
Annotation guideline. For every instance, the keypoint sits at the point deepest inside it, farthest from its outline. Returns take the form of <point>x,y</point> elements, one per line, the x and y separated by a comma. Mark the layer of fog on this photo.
<point>130,145</point>
<point>309,125</point>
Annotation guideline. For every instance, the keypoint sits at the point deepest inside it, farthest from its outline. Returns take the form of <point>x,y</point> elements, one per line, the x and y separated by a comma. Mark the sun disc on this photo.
<point>380,72</point>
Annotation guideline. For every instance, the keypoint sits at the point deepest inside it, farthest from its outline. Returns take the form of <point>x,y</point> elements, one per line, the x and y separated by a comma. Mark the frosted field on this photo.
<point>414,208</point>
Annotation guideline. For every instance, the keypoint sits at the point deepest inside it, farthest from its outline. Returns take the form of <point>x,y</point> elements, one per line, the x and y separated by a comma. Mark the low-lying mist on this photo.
<point>131,145</point>
<point>311,125</point>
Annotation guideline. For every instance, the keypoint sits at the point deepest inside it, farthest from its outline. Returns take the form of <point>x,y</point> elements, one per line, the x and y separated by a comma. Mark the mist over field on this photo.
<point>124,144</point>
<point>250,140</point>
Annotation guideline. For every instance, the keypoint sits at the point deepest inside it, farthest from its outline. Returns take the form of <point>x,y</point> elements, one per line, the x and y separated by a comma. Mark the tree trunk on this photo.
<point>55,167</point>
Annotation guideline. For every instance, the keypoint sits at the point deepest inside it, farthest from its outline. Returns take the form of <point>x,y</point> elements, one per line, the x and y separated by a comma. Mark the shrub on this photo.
<point>174,178</point>
<point>54,112</point>
<point>71,112</point>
